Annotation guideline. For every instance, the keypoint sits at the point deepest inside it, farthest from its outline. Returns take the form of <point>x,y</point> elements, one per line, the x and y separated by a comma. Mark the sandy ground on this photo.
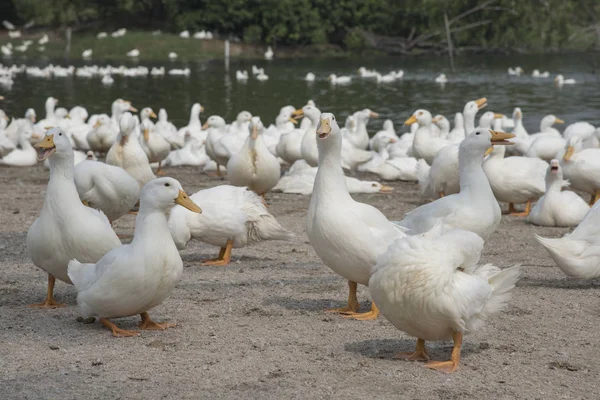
<point>256,328</point>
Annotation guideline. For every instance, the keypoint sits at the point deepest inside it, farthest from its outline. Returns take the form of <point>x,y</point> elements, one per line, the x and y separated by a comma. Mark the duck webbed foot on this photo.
<point>367,316</point>
<point>420,353</point>
<point>116,331</point>
<point>451,365</point>
<point>224,256</point>
<point>49,302</point>
<point>148,324</point>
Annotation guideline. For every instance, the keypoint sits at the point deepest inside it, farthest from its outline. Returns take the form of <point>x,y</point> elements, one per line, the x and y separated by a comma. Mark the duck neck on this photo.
<point>469,122</point>
<point>49,110</point>
<point>554,185</point>
<point>473,180</point>
<point>194,119</point>
<point>151,225</point>
<point>330,181</point>
<point>61,188</point>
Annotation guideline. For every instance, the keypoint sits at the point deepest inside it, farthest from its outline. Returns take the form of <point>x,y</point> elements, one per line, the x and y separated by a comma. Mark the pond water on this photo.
<point>215,87</point>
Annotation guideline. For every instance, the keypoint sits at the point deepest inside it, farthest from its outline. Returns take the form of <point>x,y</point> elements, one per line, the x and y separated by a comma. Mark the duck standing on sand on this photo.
<point>348,236</point>
<point>134,278</point>
<point>66,228</point>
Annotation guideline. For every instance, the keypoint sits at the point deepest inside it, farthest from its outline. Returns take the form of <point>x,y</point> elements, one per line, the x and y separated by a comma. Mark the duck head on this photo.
<point>441,122</point>
<point>102,120</point>
<point>55,143</point>
<point>214,121</point>
<point>243,117</point>
<point>163,193</point>
<point>486,120</point>
<point>147,113</point>
<point>197,109</point>
<point>481,141</point>
<point>548,121</point>
<point>472,107</point>
<point>30,115</point>
<point>388,125</point>
<point>422,117</point>
<point>517,114</point>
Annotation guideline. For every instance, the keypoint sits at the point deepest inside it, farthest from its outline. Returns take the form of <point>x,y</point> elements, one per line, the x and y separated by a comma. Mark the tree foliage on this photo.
<point>513,23</point>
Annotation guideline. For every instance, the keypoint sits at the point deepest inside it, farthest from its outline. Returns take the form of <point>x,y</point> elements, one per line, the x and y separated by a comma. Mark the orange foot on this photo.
<point>116,331</point>
<point>161,173</point>
<point>443,366</point>
<point>412,356</point>
<point>366,316</point>
<point>344,310</point>
<point>215,262</point>
<point>150,325</point>
<point>48,304</point>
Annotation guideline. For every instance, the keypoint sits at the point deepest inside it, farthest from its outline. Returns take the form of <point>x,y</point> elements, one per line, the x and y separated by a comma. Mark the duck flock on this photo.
<point>422,271</point>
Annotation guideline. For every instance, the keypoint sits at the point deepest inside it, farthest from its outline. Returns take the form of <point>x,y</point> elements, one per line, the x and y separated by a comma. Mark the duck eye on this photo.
<point>167,184</point>
<point>374,184</point>
<point>60,134</point>
<point>477,133</point>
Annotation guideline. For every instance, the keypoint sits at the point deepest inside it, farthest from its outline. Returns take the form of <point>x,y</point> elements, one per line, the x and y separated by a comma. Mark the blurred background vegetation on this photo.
<point>389,25</point>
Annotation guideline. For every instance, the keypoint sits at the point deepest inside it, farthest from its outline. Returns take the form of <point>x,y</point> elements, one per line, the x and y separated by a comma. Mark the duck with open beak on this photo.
<point>499,139</point>
<point>481,103</point>
<point>324,128</point>
<point>46,147</point>
<point>296,115</point>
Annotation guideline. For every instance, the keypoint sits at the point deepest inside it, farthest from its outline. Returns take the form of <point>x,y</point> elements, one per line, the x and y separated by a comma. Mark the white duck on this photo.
<point>339,80</point>
<point>127,153</point>
<point>216,127</point>
<point>548,143</point>
<point>51,120</point>
<point>300,179</point>
<point>359,137</point>
<point>165,128</point>
<point>390,169</point>
<point>387,130</point>
<point>558,207</point>
<point>107,188</point>
<point>289,147</point>
<point>233,217</point>
<point>134,278</point>
<point>24,155</point>
<point>65,229</point>
<point>582,168</point>
<point>431,287</point>
<point>515,180</point>
<point>308,147</point>
<point>155,146</point>
<point>254,166</point>
<point>443,177</point>
<point>269,53</point>
<point>441,78</point>
<point>233,141</point>
<point>348,236</point>
<point>426,143</point>
<point>102,136</point>
<point>457,134</point>
<point>474,208</point>
<point>191,154</point>
<point>310,77</point>
<point>522,139</point>
<point>194,127</point>
<point>576,254</point>
<point>560,81</point>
